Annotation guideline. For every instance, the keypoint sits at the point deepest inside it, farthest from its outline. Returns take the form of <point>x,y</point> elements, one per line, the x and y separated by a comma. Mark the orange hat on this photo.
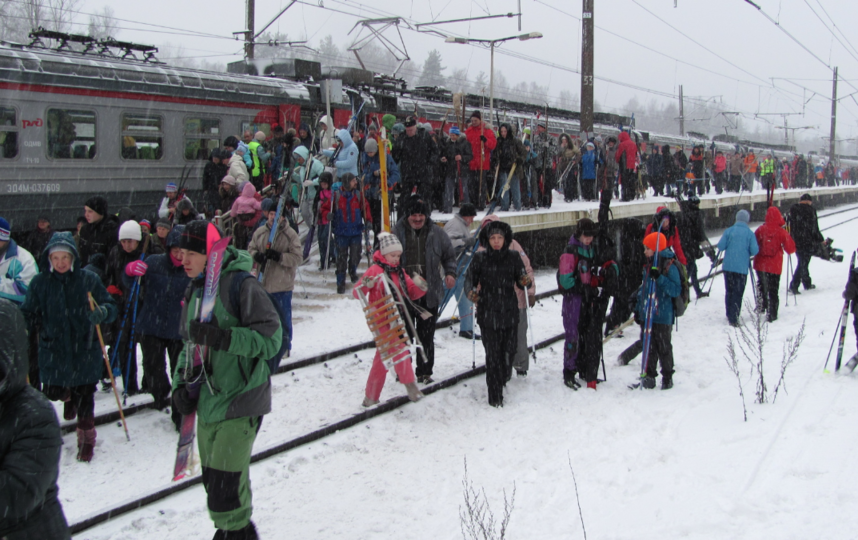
<point>655,241</point>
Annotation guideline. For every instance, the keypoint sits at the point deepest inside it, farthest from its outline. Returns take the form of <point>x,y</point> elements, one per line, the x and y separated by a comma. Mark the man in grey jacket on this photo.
<point>428,253</point>
<point>459,231</point>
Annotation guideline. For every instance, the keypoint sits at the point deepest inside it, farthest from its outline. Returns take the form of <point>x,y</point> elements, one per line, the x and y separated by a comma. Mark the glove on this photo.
<point>182,402</point>
<point>210,335</point>
<point>136,269</point>
<point>114,290</point>
<point>711,254</point>
<point>483,138</point>
<point>474,296</point>
<point>259,257</point>
<point>330,216</point>
<point>307,183</point>
<point>98,315</point>
<point>525,281</point>
<point>654,272</point>
<point>272,255</point>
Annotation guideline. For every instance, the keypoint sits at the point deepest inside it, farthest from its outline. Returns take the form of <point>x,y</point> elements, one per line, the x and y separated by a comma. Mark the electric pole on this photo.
<point>681,113</point>
<point>248,41</point>
<point>833,142</point>
<point>587,68</point>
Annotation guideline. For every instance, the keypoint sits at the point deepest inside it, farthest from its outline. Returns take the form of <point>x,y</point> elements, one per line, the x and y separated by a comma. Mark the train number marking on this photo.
<point>32,188</point>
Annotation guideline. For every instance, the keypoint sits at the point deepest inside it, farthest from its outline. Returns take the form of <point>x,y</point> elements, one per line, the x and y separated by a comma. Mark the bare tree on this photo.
<point>476,519</point>
<point>790,353</point>
<point>732,360</point>
<point>20,17</point>
<point>103,24</point>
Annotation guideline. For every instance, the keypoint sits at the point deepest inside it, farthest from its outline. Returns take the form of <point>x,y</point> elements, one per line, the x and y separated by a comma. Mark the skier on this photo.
<point>591,161</point>
<point>70,359</point>
<point>347,154</point>
<point>305,179</point>
<point>386,265</point>
<point>17,266</point>
<point>483,141</point>
<point>772,240</point>
<point>509,152</point>
<point>349,211</point>
<point>236,390</point>
<point>568,156</point>
<point>692,235</point>
<point>804,228</point>
<point>246,211</point>
<point>371,166</point>
<point>668,285</point>
<point>494,274</point>
<point>459,231</point>
<point>30,443</point>
<point>738,244</point>
<point>626,158</point>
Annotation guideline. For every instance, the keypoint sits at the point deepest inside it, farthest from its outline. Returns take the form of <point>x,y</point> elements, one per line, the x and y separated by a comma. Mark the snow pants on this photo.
<point>225,450</point>
<point>691,267</point>
<point>126,353</point>
<point>476,192</point>
<point>500,345</point>
<point>588,189</point>
<point>582,324</point>
<point>325,247</point>
<point>378,373</point>
<point>767,295</point>
<point>735,283</point>
<point>452,183</point>
<point>802,271</point>
<point>348,253</point>
<point>465,307</point>
<point>630,184</point>
<point>660,351</point>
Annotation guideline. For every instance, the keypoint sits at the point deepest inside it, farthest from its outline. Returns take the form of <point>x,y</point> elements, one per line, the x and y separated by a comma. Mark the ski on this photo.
<point>651,302</point>
<point>187,433</point>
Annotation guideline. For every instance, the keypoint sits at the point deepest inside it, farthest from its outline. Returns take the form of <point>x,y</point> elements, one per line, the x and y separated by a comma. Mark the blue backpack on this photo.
<point>235,302</point>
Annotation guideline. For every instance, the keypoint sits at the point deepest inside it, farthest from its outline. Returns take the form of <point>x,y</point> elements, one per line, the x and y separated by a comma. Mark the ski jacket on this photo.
<point>258,157</point>
<point>350,210</point>
<point>750,163</point>
<point>720,163</point>
<point>57,305</point>
<point>162,290</point>
<point>804,227</point>
<point>589,161</point>
<point>697,163</point>
<point>347,157</point>
<point>237,382</point>
<point>654,165</point>
<point>738,244</point>
<point>574,270</point>
<point>279,276</point>
<point>566,157</point>
<point>377,292</point>
<point>17,270</point>
<point>417,158</point>
<point>767,167</point>
<point>247,205</point>
<point>30,443</point>
<point>674,241</point>
<point>667,287</point>
<point>299,174</point>
<point>544,145</point>
<point>514,246</point>
<point>772,240</point>
<point>371,181</point>
<point>440,258</point>
<point>473,135</point>
<point>237,169</point>
<point>627,149</point>
<point>322,206</point>
<point>97,237</point>
<point>495,273</point>
<point>450,149</point>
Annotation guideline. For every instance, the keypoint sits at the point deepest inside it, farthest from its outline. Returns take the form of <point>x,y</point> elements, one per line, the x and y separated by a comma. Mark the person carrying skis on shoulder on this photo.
<point>668,285</point>
<point>349,210</point>
<point>305,182</point>
<point>235,381</point>
<point>371,167</point>
<point>494,274</point>
<point>738,244</point>
<point>385,264</point>
<point>773,240</point>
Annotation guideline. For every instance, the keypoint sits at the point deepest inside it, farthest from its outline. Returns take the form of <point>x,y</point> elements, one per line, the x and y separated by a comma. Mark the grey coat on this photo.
<point>440,256</point>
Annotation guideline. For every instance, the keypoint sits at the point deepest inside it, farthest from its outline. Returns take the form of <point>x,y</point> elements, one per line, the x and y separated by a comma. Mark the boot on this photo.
<point>414,393</point>
<point>666,383</point>
<point>85,444</point>
<point>246,533</point>
<point>648,382</point>
<point>569,379</point>
<point>850,365</point>
<point>591,385</point>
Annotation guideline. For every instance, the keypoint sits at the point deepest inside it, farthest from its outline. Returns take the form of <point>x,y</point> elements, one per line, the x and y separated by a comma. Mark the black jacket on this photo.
<point>450,150</point>
<point>691,229</point>
<point>417,158</point>
<point>98,237</point>
<point>30,443</point>
<point>507,153</point>
<point>496,273</point>
<point>804,227</point>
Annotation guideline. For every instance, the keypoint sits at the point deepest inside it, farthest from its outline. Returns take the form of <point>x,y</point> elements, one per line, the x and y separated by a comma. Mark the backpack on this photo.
<point>770,246</point>
<point>680,303</point>
<point>235,302</point>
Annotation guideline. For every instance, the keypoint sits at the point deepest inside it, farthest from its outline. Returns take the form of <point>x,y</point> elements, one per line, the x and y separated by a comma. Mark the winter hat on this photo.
<point>388,243</point>
<point>743,215</point>
<point>694,199</point>
<point>655,241</point>
<point>228,180</point>
<point>267,205</point>
<point>164,222</point>
<point>467,210</point>
<point>417,206</point>
<point>146,223</point>
<point>194,236</point>
<point>410,121</point>
<point>586,227</point>
<point>171,188</point>
<point>260,136</point>
<point>806,197</point>
<point>97,204</point>
<point>598,138</point>
<point>476,114</point>
<point>5,230</point>
<point>590,145</point>
<point>455,131</point>
<point>398,128</point>
<point>60,247</point>
<point>370,146</point>
<point>326,177</point>
<point>174,238</point>
<point>231,141</point>
<point>242,148</point>
<point>130,230</point>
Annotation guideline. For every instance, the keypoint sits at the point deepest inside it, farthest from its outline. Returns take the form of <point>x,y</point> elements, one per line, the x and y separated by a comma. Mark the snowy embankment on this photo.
<point>649,464</point>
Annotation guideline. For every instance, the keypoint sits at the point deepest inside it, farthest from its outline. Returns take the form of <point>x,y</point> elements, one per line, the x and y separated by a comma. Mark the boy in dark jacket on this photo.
<point>804,228</point>
<point>493,275</point>
<point>349,209</point>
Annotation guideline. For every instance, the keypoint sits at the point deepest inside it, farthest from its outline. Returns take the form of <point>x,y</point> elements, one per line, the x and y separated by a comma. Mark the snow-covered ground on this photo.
<point>648,464</point>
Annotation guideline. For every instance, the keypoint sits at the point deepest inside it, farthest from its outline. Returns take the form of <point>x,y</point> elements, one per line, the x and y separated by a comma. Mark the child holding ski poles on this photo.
<point>493,275</point>
<point>386,265</point>
<point>658,308</point>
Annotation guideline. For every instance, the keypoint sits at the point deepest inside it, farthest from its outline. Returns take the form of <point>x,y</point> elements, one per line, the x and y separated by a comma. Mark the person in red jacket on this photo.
<point>768,263</point>
<point>627,150</point>
<point>720,172</point>
<point>669,230</point>
<point>483,141</point>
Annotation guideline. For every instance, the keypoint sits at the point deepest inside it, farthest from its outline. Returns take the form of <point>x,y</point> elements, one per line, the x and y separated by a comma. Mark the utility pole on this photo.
<point>248,42</point>
<point>833,142</point>
<point>681,113</point>
<point>587,67</point>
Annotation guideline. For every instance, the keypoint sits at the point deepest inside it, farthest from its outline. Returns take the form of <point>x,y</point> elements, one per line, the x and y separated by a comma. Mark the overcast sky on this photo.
<point>752,50</point>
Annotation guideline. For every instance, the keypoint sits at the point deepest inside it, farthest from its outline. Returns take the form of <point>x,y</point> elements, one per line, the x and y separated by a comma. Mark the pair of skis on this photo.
<point>842,322</point>
<point>649,309</point>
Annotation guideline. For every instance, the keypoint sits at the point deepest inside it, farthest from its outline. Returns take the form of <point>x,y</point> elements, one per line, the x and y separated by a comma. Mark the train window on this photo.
<point>253,127</point>
<point>8,133</point>
<point>202,135</point>
<point>71,134</point>
<point>141,136</point>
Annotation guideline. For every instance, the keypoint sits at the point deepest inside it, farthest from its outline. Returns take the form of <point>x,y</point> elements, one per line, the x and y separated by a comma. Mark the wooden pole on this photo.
<point>92,307</point>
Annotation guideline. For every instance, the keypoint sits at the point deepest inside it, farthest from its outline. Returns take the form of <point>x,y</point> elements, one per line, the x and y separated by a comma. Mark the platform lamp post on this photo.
<point>492,44</point>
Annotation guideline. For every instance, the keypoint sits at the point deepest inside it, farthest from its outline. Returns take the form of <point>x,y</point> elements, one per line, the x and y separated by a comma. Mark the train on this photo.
<point>80,117</point>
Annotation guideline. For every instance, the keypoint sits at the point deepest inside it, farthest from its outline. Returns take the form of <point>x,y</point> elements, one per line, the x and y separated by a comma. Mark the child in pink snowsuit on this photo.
<point>386,261</point>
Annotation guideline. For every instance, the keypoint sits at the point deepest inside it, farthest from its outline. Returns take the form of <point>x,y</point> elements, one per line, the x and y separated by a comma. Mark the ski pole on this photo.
<point>474,339</point>
<point>527,312</point>
<point>301,279</point>
<point>132,349</point>
<point>92,307</point>
<point>833,339</point>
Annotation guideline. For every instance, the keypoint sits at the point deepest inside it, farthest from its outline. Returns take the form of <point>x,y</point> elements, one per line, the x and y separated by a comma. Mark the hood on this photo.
<point>13,351</point>
<point>237,260</point>
<point>59,238</point>
<point>248,190</point>
<point>661,213</point>
<point>306,127</point>
<point>774,217</point>
<point>345,137</point>
<point>302,151</point>
<point>624,137</point>
<point>666,253</point>
<point>186,204</point>
<point>97,265</point>
<point>509,132</point>
<point>324,120</point>
<point>387,121</point>
<point>493,226</point>
<point>174,237</point>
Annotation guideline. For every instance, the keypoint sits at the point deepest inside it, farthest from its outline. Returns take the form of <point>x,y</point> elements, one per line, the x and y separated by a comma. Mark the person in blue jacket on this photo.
<point>371,178</point>
<point>346,154</point>
<point>349,210</point>
<point>668,285</point>
<point>738,244</point>
<point>591,159</point>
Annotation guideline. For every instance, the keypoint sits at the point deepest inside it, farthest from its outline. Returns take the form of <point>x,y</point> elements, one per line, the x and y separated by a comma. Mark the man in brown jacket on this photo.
<point>278,263</point>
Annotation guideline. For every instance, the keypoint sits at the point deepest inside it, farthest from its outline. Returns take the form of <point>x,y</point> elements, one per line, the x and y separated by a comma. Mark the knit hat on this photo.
<point>5,230</point>
<point>586,227</point>
<point>370,146</point>
<point>388,243</point>
<point>743,216</point>
<point>242,148</point>
<point>398,128</point>
<point>476,114</point>
<point>655,241</point>
<point>97,204</point>
<point>598,138</point>
<point>164,222</point>
<point>60,247</point>
<point>326,177</point>
<point>194,237</point>
<point>268,205</point>
<point>467,210</point>
<point>455,131</point>
<point>417,206</point>
<point>171,188</point>
<point>806,197</point>
<point>231,141</point>
<point>146,223</point>
<point>130,230</point>
<point>228,180</point>
<point>410,121</point>
<point>260,136</point>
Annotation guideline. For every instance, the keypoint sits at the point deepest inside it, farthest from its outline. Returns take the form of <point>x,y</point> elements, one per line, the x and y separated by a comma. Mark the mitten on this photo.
<point>136,269</point>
